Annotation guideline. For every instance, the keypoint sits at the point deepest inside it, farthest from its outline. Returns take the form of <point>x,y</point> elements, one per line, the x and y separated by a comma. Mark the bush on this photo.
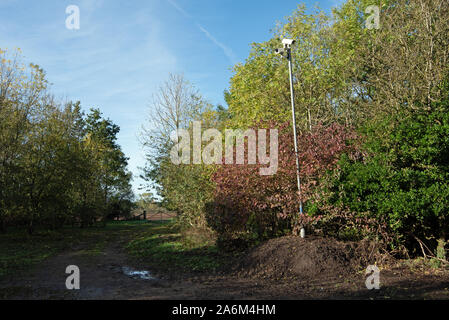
<point>253,207</point>
<point>403,179</point>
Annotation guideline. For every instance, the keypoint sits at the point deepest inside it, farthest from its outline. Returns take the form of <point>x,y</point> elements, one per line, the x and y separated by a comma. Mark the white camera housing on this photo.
<point>288,43</point>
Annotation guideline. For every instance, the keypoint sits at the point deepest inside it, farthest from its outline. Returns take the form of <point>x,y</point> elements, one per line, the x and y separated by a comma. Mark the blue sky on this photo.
<point>125,49</point>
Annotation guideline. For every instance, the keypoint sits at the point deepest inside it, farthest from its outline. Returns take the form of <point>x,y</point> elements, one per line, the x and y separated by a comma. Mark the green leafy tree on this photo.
<point>57,165</point>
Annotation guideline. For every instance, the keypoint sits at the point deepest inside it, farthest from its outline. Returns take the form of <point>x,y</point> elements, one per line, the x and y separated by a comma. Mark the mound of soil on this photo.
<point>312,257</point>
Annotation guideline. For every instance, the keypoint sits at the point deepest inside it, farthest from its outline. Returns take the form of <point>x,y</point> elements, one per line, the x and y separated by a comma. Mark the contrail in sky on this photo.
<point>226,50</point>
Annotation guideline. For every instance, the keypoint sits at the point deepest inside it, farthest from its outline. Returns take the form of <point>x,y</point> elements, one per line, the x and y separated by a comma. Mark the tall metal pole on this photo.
<point>292,94</point>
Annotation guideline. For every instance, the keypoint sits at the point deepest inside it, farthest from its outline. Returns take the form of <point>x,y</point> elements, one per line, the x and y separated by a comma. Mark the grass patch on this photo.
<point>20,251</point>
<point>164,247</point>
<point>157,243</point>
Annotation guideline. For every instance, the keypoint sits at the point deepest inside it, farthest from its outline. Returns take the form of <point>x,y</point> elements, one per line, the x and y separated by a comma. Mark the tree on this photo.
<point>110,171</point>
<point>259,89</point>
<point>403,62</point>
<point>176,103</point>
<point>183,188</point>
<point>21,88</point>
<point>56,164</point>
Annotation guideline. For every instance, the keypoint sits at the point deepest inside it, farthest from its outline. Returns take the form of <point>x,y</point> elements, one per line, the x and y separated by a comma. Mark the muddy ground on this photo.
<point>253,277</point>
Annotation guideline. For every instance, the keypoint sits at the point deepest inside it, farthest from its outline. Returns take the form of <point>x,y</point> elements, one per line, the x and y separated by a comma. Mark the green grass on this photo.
<point>159,244</point>
<point>163,246</point>
<point>20,251</point>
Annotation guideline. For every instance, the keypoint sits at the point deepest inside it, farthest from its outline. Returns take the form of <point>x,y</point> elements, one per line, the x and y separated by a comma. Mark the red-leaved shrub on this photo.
<point>247,203</point>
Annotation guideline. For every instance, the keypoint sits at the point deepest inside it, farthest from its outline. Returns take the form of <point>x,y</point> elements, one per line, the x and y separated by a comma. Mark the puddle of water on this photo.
<point>146,275</point>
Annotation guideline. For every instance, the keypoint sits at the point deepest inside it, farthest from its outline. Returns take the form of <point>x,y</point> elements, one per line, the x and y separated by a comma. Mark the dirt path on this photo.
<point>102,277</point>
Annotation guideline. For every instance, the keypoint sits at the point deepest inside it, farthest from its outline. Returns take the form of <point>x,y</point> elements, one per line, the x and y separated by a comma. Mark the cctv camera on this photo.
<point>288,43</point>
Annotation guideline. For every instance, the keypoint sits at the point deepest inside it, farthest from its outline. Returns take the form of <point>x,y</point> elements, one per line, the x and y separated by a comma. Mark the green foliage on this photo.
<point>57,165</point>
<point>184,188</point>
<point>385,83</point>
<point>403,179</point>
<point>325,75</point>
